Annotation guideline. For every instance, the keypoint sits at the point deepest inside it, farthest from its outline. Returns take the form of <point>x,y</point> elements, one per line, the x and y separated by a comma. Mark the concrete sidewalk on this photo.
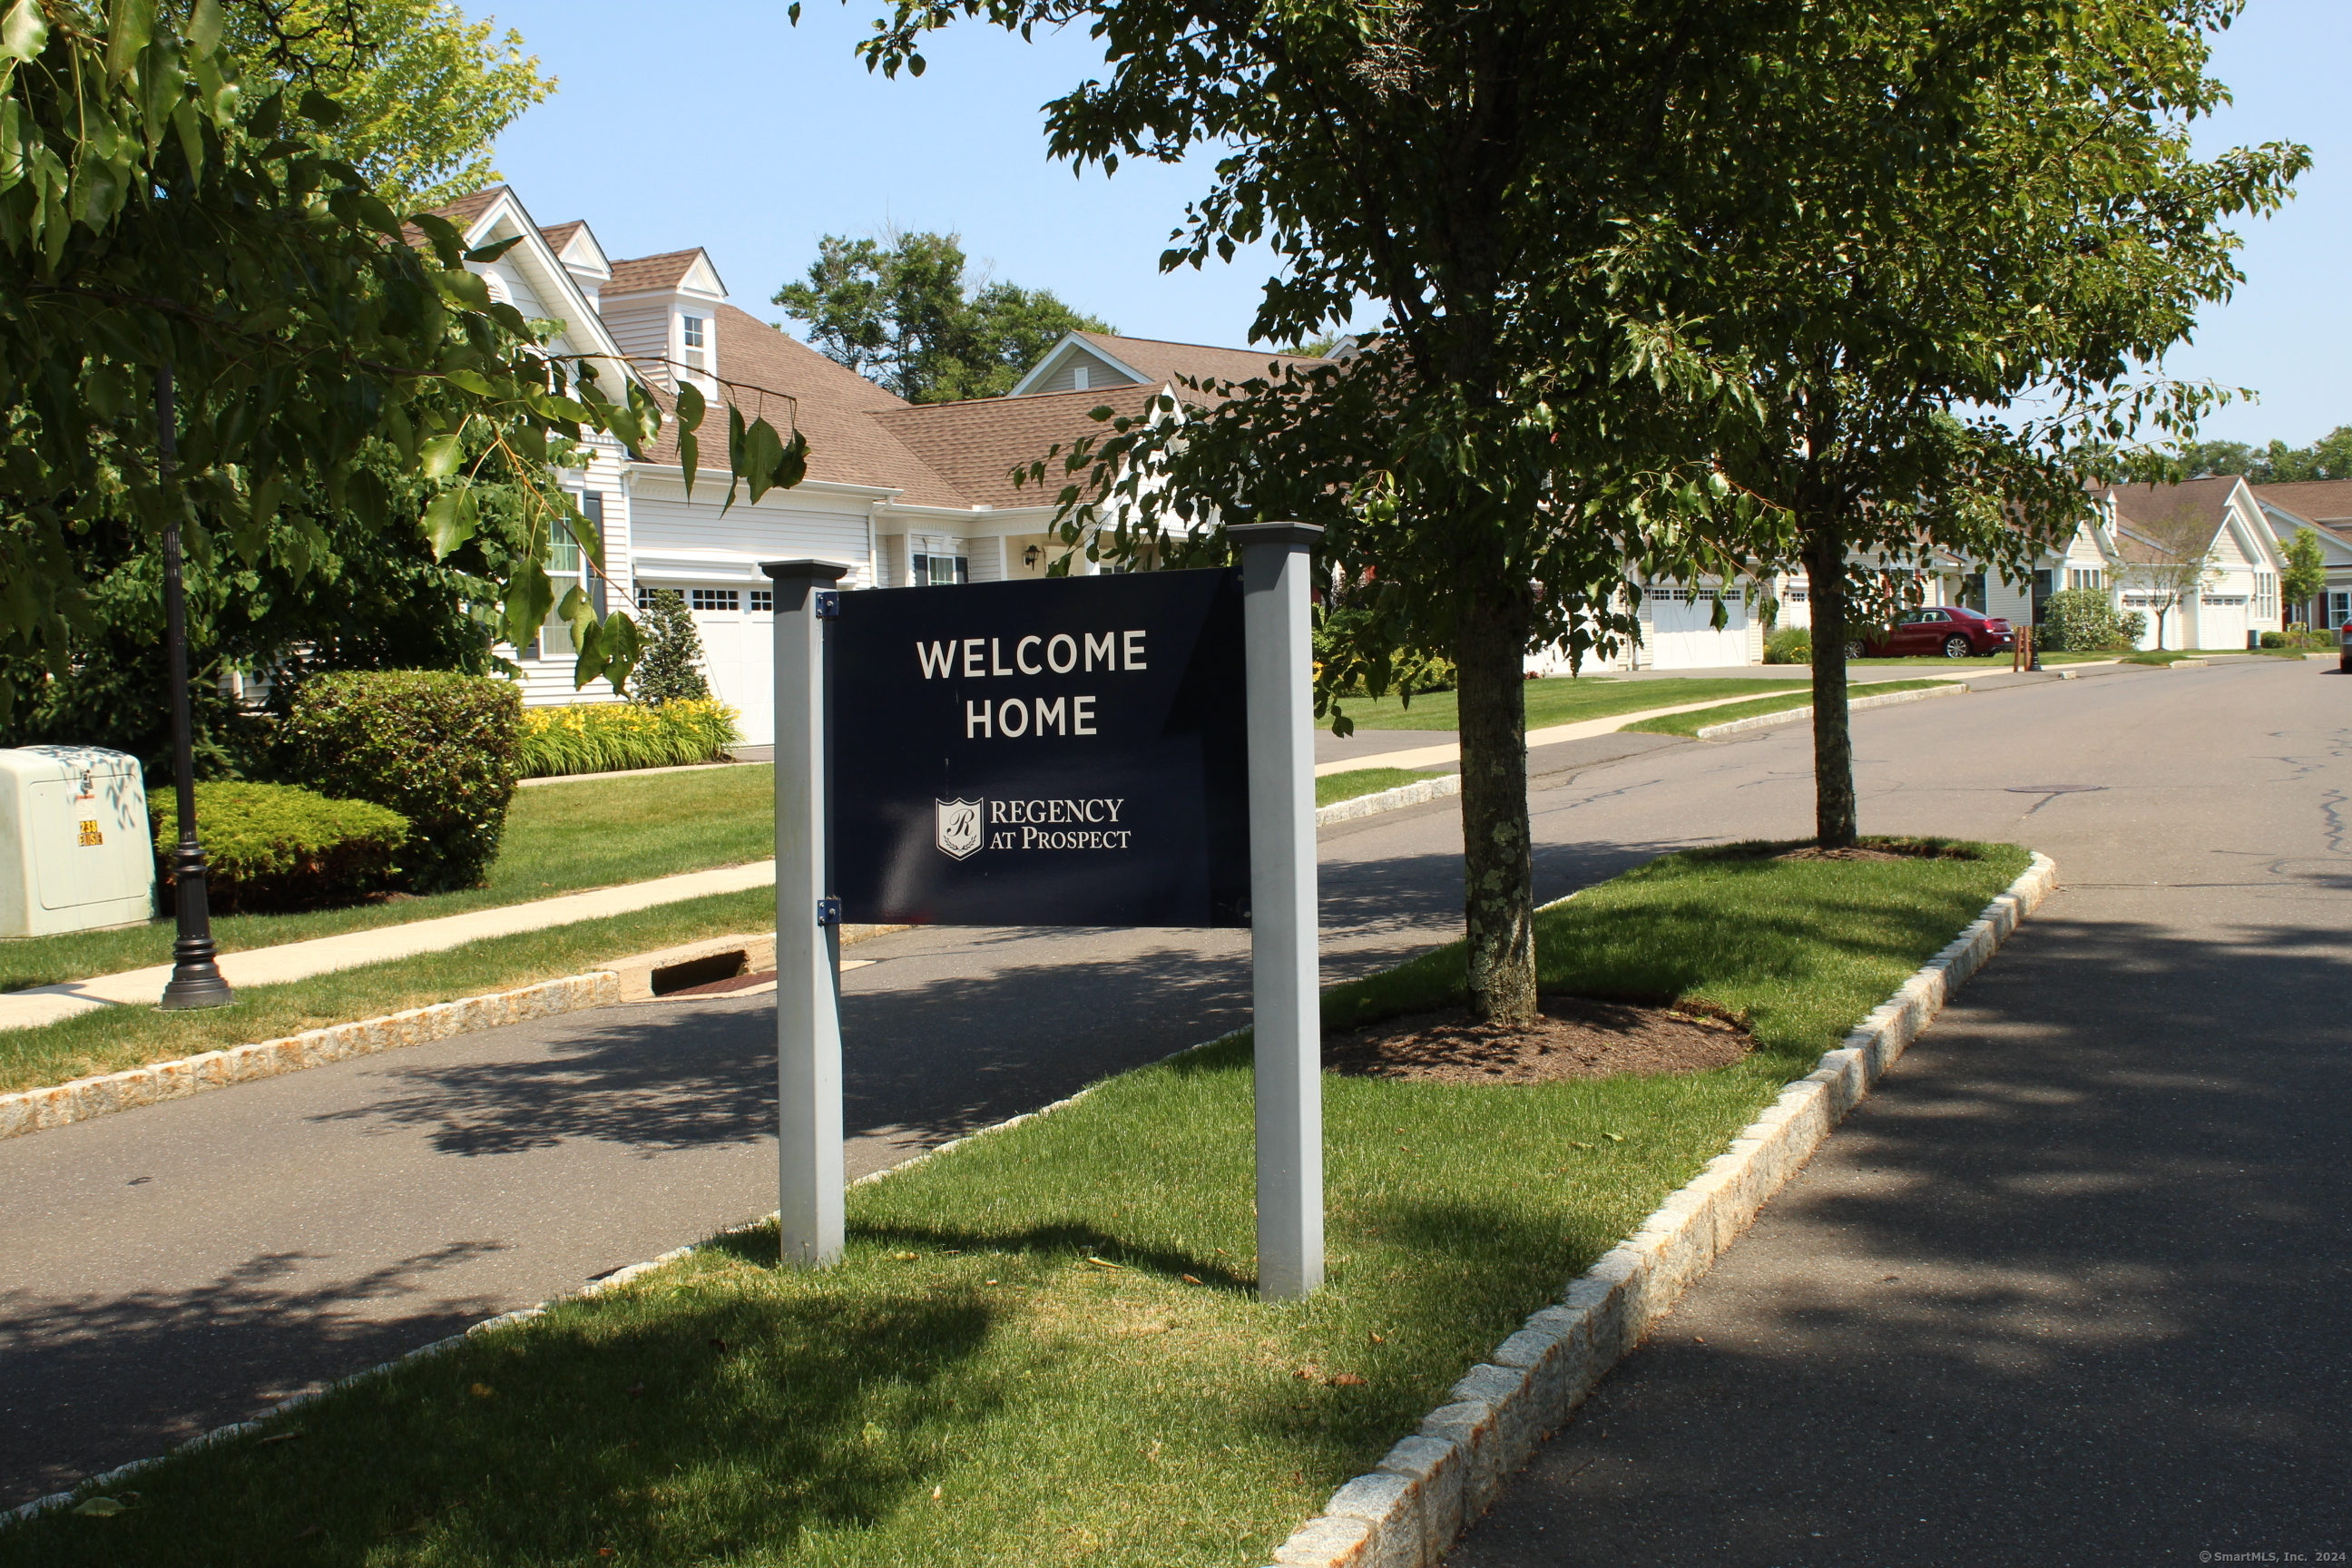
<point>321,956</point>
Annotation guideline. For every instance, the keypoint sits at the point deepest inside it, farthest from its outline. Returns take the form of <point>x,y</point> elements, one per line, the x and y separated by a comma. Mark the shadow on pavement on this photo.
<point>2074,1281</point>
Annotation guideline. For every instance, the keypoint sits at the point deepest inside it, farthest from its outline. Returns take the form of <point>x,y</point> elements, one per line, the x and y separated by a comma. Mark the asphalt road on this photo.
<point>2075,1285</point>
<point>178,1267</point>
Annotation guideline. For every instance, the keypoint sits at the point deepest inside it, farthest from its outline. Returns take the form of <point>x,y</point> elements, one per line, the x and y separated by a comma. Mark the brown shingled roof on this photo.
<point>838,409</point>
<point>661,271</point>
<point>976,444</point>
<point>1161,361</point>
<point>466,209</point>
<point>2186,515</point>
<point>2325,501</point>
<point>559,234</point>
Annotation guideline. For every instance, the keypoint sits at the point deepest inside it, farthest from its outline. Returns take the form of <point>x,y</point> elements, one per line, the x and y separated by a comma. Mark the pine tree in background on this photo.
<point>671,668</point>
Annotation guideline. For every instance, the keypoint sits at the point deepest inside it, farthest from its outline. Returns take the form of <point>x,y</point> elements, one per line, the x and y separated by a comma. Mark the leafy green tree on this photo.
<point>216,327</point>
<point>1527,434</point>
<point>424,91</point>
<point>2330,458</point>
<point>901,311</point>
<point>2305,573</point>
<point>2054,244</point>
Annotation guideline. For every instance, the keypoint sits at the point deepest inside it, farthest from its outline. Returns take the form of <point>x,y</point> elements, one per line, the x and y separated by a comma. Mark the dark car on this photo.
<point>1947,630</point>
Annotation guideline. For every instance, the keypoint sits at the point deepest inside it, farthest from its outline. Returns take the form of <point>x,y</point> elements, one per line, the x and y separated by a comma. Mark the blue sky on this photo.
<point>722,126</point>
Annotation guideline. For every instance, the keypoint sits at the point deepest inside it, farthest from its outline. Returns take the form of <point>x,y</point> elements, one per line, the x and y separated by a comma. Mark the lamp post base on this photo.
<point>195,980</point>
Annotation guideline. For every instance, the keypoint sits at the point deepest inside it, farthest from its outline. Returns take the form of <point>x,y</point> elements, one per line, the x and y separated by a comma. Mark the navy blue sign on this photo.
<point>1068,750</point>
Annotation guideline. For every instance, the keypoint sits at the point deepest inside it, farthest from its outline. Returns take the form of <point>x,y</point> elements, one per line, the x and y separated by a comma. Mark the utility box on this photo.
<point>76,853</point>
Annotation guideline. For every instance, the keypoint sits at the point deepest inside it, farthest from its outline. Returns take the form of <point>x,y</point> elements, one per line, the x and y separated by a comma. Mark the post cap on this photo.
<point>804,570</point>
<point>1304,535</point>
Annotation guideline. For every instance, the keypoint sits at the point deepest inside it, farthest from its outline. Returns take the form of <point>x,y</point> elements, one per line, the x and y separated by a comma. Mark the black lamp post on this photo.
<point>195,973</point>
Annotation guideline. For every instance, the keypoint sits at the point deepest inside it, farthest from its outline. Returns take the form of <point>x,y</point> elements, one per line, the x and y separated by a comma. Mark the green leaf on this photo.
<point>438,459</point>
<point>205,28</point>
<point>529,597</point>
<point>129,25</point>
<point>470,380</point>
<point>621,646</point>
<point>449,521</point>
<point>468,288</point>
<point>25,33</point>
<point>320,111</point>
<point>493,252</point>
<point>691,406</point>
<point>690,459</point>
<point>764,449</point>
<point>448,245</point>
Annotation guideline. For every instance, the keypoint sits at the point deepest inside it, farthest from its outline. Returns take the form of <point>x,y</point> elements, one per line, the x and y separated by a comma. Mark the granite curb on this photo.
<point>1408,1512</point>
<point>1805,714</point>
<point>1436,788</point>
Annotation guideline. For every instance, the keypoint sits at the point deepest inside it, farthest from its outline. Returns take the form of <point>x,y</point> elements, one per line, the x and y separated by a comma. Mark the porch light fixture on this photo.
<point>1030,556</point>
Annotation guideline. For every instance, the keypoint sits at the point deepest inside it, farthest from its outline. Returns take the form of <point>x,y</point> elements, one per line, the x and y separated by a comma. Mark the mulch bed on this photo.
<point>1884,849</point>
<point>1579,1036</point>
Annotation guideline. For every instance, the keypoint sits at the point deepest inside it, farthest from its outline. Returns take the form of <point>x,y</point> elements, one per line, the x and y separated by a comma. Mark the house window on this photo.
<point>693,331</point>
<point>2083,577</point>
<point>1972,592</point>
<point>763,601</point>
<point>1796,594</point>
<point>695,335</point>
<point>2338,608</point>
<point>2041,593</point>
<point>714,599</point>
<point>2265,595</point>
<point>1078,377</point>
<point>940,571</point>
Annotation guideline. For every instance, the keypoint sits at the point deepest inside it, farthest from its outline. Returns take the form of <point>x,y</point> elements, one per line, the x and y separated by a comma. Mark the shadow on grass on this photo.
<point>662,1430</point>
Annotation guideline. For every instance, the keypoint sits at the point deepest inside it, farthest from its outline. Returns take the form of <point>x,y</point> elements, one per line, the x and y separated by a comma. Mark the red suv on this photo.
<point>1947,630</point>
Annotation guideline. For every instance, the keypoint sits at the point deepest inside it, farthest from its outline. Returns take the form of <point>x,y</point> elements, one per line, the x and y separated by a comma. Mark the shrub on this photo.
<point>1789,645</point>
<point>436,746</point>
<point>2274,639</point>
<point>277,846</point>
<point>2081,620</point>
<point>605,737</point>
<point>2135,626</point>
<point>670,668</point>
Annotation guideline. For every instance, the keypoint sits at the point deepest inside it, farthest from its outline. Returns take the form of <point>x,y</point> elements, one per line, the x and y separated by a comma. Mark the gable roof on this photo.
<point>975,445</point>
<point>2187,514</point>
<point>667,270</point>
<point>836,409</point>
<point>2327,502</point>
<point>1159,360</point>
<point>559,234</point>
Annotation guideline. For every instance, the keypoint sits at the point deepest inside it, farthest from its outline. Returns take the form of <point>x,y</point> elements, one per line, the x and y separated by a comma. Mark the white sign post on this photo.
<point>1285,995</point>
<point>808,928</point>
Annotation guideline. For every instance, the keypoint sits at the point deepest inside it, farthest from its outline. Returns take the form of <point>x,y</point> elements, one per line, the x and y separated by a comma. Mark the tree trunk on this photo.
<point>1497,845</point>
<point>1833,805</point>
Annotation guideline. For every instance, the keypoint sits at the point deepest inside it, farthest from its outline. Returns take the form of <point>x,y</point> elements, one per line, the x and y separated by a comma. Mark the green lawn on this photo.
<point>1999,662</point>
<point>1561,701</point>
<point>1042,1346</point>
<point>559,838</point>
<point>1332,788</point>
<point>1691,724</point>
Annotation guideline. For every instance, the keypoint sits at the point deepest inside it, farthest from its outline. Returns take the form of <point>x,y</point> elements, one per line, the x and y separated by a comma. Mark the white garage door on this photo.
<point>1680,634</point>
<point>737,627</point>
<point>2222,621</point>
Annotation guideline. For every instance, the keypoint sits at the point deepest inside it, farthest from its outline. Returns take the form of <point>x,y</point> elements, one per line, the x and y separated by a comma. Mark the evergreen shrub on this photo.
<point>1789,645</point>
<point>607,737</point>
<point>438,747</point>
<point>669,668</point>
<point>2081,620</point>
<point>279,847</point>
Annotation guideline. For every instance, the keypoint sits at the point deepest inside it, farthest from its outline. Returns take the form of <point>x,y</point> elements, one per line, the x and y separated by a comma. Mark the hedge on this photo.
<point>279,846</point>
<point>1789,645</point>
<point>607,737</point>
<point>438,747</point>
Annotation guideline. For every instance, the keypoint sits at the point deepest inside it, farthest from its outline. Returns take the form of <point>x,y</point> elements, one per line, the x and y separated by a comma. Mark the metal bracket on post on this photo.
<point>809,1207</point>
<point>1285,997</point>
<point>828,603</point>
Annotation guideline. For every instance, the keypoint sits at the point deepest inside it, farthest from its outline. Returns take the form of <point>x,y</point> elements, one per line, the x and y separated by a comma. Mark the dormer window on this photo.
<point>695,332</point>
